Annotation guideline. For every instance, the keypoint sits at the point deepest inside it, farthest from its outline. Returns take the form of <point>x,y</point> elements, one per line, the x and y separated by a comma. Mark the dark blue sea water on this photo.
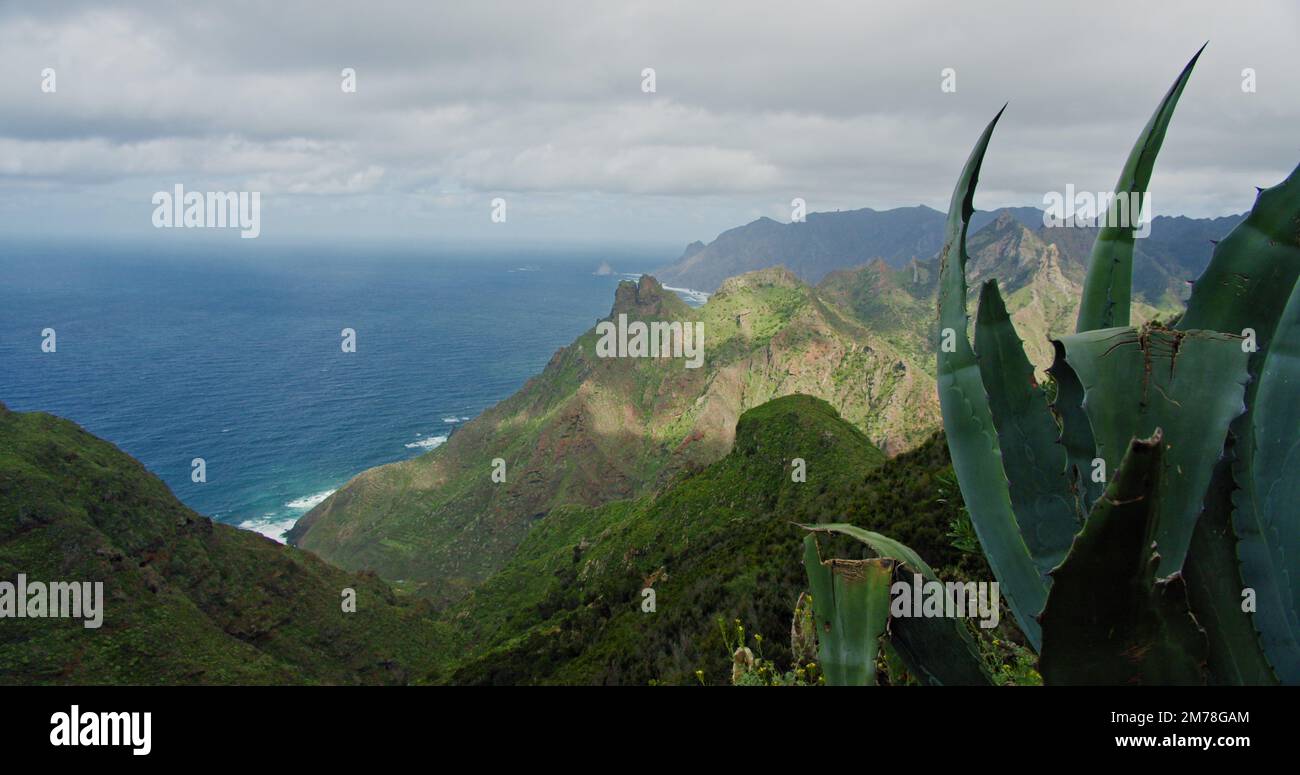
<point>234,356</point>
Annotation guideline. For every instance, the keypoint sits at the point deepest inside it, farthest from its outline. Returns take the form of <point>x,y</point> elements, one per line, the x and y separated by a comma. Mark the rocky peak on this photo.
<point>691,249</point>
<point>1005,220</point>
<point>647,298</point>
<point>775,275</point>
<point>1006,249</point>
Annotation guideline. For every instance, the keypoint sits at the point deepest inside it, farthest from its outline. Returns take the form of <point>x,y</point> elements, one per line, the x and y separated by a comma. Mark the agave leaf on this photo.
<point>1109,619</point>
<point>1247,284</point>
<point>1076,432</point>
<point>1249,280</point>
<point>1252,271</point>
<point>1267,518</point>
<point>851,607</point>
<point>1035,464</point>
<point>1108,286</point>
<point>1214,587</point>
<point>1189,383</point>
<point>968,421</point>
<point>882,545</point>
<point>937,651</point>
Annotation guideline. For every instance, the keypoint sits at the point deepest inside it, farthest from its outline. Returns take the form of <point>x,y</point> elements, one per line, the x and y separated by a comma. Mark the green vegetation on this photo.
<point>186,600</point>
<point>650,511</point>
<point>936,650</point>
<point>589,431</point>
<point>717,544</point>
<point>752,667</point>
<point>190,601</point>
<point>850,600</point>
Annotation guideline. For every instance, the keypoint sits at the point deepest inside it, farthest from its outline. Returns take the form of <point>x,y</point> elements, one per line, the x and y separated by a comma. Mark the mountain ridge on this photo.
<point>190,601</point>
<point>590,430</point>
<point>1175,252</point>
<point>186,599</point>
<point>719,547</point>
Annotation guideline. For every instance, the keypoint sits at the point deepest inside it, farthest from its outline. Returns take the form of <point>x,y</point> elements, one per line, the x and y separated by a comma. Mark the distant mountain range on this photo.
<point>1176,251</point>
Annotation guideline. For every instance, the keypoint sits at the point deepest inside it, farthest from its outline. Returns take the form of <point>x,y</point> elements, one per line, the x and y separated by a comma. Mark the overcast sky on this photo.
<point>542,104</point>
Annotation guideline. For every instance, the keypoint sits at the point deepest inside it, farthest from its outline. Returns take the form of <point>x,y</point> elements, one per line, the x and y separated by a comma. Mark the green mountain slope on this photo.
<point>185,600</point>
<point>568,607</point>
<point>591,430</point>
<point>1040,286</point>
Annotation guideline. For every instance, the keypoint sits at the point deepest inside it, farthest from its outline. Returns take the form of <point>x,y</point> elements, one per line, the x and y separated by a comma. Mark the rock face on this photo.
<point>1041,287</point>
<point>647,300</point>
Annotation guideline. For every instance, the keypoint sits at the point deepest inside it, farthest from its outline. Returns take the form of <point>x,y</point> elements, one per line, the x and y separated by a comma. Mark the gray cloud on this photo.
<point>757,103</point>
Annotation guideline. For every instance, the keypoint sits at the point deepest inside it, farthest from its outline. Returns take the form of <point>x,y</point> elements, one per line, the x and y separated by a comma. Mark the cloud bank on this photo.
<point>542,104</point>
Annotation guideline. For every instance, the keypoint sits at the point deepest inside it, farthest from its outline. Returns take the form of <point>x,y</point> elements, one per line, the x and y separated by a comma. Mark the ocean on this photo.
<point>234,355</point>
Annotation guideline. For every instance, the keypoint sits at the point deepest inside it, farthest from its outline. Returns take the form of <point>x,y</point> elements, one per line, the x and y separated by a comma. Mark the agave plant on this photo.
<point>1141,520</point>
<point>851,604</point>
<point>1180,563</point>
